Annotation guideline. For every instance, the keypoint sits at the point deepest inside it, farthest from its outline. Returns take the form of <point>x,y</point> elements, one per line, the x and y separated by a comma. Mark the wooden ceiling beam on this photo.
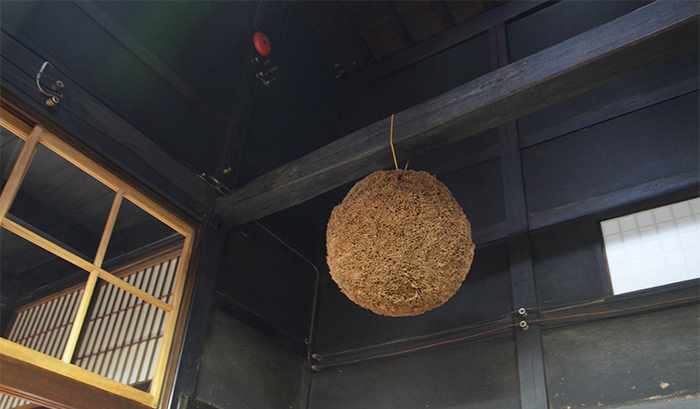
<point>436,44</point>
<point>641,38</point>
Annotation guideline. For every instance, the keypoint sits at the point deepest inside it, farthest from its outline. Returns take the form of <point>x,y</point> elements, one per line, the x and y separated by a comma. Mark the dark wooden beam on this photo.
<point>613,110</point>
<point>645,36</point>
<point>436,44</point>
<point>611,200</point>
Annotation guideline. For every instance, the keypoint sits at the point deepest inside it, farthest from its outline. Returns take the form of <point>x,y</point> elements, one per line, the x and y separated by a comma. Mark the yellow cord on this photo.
<point>391,141</point>
<point>406,168</point>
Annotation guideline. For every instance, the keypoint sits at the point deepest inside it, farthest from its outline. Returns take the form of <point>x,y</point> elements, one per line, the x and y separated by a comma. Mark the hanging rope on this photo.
<point>257,12</point>
<point>391,142</point>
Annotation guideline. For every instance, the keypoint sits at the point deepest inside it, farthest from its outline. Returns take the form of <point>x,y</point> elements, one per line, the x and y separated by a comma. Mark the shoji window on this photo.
<point>115,331</point>
<point>654,247</point>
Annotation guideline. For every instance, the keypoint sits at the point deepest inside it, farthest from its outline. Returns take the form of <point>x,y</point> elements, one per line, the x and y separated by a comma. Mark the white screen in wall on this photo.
<point>654,247</point>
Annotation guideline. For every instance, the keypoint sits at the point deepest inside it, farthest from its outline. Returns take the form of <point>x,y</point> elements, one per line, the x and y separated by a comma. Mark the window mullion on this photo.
<point>107,233</point>
<point>19,171</point>
<point>80,317</point>
<point>169,330</point>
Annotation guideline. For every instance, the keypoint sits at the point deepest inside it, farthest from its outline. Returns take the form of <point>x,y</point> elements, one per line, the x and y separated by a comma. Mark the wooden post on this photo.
<point>164,353</point>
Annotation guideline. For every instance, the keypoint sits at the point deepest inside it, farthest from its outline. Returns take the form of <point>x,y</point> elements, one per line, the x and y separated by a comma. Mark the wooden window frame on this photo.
<point>13,355</point>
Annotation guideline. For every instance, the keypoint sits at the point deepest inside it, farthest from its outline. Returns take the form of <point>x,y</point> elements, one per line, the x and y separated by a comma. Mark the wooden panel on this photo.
<point>641,38</point>
<point>437,44</point>
<point>423,81</point>
<point>476,375</point>
<point>620,361</point>
<point>51,378</point>
<point>560,21</point>
<point>628,153</point>
<point>256,371</point>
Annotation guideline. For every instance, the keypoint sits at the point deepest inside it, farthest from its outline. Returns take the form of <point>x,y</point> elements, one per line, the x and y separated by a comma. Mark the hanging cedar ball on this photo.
<point>399,244</point>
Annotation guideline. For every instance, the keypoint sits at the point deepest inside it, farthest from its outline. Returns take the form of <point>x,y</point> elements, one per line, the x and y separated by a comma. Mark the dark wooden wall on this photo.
<point>616,149</point>
<point>253,372</point>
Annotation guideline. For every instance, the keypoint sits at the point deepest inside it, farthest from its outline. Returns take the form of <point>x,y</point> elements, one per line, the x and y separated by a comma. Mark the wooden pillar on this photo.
<point>533,392</point>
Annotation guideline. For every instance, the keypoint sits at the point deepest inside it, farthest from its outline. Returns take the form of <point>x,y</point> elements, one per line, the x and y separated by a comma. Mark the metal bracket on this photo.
<point>522,313</point>
<point>266,70</point>
<point>53,95</point>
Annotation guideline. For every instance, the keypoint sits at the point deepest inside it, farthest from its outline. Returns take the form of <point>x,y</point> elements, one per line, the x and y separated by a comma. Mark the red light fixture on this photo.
<point>262,44</point>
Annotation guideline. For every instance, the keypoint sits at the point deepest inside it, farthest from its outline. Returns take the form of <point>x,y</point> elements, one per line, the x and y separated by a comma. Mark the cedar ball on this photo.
<point>399,244</point>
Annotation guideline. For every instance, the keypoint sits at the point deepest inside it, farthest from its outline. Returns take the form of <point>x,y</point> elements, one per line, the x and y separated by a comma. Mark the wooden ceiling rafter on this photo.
<point>397,24</point>
<point>441,10</point>
<point>460,32</point>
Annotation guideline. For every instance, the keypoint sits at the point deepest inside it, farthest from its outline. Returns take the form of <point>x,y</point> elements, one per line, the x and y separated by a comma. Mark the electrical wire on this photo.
<point>420,348</point>
<point>592,314</point>
<point>30,66</point>
<point>20,78</point>
<point>255,21</point>
<point>36,84</point>
<point>310,339</point>
<point>492,331</point>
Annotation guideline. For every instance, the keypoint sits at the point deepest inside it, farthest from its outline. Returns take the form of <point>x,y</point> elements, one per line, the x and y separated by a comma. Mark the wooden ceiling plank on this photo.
<point>641,38</point>
<point>130,42</point>
<point>397,24</point>
<point>106,132</point>
<point>436,44</point>
<point>421,19</point>
<point>330,26</point>
<point>441,11</point>
<point>358,42</point>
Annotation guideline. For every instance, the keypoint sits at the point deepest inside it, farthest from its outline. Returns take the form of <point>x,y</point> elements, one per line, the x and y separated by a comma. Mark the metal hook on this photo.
<point>54,97</point>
